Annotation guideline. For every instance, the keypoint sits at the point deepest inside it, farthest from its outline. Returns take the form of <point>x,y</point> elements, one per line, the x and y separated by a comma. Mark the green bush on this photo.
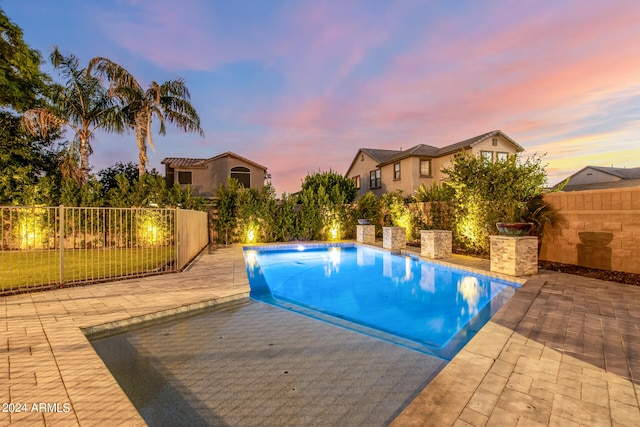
<point>485,192</point>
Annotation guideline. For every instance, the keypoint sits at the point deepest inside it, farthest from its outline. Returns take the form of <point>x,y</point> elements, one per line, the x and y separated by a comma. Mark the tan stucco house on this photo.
<point>382,171</point>
<point>205,175</point>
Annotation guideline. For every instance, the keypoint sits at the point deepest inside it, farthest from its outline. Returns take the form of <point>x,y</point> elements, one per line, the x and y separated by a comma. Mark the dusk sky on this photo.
<point>299,86</point>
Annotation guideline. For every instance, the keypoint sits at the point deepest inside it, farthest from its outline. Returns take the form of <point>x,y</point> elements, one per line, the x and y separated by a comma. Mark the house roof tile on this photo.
<point>183,162</point>
<point>431,151</point>
<point>623,173</point>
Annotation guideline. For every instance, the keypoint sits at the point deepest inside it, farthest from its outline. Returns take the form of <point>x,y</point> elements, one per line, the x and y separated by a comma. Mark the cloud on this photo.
<point>558,77</point>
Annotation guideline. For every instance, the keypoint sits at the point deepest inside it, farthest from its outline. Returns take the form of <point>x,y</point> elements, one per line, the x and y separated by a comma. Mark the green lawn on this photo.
<point>42,268</point>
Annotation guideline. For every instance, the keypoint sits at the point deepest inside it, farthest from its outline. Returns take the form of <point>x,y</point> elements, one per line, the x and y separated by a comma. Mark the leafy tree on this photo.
<point>24,160</point>
<point>227,209</point>
<point>86,195</point>
<point>21,81</point>
<point>312,204</point>
<point>435,193</point>
<point>168,102</point>
<point>82,103</point>
<point>285,219</point>
<point>485,192</point>
<point>108,175</point>
<point>338,188</point>
<point>368,207</point>
<point>256,210</point>
<point>396,213</point>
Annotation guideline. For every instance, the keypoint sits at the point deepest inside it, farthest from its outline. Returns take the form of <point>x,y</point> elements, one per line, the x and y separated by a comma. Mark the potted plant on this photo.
<point>511,219</point>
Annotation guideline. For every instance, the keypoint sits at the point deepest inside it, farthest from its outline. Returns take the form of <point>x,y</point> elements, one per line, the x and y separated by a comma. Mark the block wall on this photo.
<point>599,229</point>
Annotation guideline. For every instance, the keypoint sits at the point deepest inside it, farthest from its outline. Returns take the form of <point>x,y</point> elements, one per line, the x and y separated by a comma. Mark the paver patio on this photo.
<point>564,350</point>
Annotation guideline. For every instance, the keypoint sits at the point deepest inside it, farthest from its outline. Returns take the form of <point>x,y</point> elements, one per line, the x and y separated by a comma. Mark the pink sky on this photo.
<point>299,86</point>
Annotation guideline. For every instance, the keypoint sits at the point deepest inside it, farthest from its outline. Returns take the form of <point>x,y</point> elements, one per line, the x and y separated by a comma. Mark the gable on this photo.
<point>230,156</point>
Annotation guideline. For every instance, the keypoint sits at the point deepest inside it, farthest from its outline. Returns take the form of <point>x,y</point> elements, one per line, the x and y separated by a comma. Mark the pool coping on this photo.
<point>495,379</point>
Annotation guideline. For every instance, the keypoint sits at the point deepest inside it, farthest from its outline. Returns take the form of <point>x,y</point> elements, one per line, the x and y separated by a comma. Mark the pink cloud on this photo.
<point>536,72</point>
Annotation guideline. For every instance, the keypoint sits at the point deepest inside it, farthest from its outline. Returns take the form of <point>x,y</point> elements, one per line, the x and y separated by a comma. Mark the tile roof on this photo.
<point>183,162</point>
<point>623,173</point>
<point>380,155</point>
<point>431,151</point>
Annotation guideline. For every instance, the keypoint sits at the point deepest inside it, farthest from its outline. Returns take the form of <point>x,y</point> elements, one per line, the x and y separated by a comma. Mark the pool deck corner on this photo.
<point>565,350</point>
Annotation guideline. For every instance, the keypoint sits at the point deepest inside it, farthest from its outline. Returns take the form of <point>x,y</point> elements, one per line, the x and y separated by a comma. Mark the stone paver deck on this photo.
<point>564,350</point>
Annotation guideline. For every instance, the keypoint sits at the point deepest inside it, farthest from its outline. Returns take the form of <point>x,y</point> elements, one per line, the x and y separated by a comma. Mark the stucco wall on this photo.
<point>361,167</point>
<point>193,235</point>
<point>205,181</point>
<point>600,229</point>
<point>590,176</point>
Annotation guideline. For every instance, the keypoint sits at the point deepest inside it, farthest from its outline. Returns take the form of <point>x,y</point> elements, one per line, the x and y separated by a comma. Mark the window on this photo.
<point>487,155</point>
<point>356,181</point>
<point>494,142</point>
<point>184,177</point>
<point>425,167</point>
<point>502,156</point>
<point>374,179</point>
<point>243,175</point>
<point>396,171</point>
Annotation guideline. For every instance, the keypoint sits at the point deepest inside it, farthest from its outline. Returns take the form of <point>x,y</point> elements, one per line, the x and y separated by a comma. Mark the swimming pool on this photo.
<point>403,299</point>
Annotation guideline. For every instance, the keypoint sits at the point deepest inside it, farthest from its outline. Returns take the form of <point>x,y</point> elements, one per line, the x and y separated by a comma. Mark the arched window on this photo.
<point>242,174</point>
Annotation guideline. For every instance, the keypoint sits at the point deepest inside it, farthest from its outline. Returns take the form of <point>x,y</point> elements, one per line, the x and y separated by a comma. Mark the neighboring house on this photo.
<point>205,175</point>
<point>598,177</point>
<point>382,171</point>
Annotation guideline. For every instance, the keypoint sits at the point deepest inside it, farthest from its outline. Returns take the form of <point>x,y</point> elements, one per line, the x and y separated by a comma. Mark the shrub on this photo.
<point>485,193</point>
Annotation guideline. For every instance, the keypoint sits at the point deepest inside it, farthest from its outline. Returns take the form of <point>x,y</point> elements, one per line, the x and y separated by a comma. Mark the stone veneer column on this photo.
<point>435,243</point>
<point>516,256</point>
<point>366,234</point>
<point>394,238</point>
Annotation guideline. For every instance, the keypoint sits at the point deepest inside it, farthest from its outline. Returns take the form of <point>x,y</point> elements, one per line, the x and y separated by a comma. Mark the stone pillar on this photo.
<point>394,238</point>
<point>366,234</point>
<point>515,256</point>
<point>435,243</point>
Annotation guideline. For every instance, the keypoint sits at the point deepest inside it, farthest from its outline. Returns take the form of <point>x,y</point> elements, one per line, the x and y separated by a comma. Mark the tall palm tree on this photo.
<point>82,103</point>
<point>168,102</point>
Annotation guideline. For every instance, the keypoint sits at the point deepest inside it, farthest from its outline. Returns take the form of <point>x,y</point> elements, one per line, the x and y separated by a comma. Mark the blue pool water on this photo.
<point>403,299</point>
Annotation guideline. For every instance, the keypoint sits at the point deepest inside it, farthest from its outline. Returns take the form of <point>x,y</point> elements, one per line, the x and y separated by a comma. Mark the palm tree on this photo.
<point>168,102</point>
<point>82,103</point>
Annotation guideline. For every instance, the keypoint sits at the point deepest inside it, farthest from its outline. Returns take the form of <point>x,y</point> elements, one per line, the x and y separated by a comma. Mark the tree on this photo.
<point>168,102</point>
<point>227,209</point>
<point>21,81</point>
<point>339,188</point>
<point>485,193</point>
<point>23,161</point>
<point>108,175</point>
<point>82,103</point>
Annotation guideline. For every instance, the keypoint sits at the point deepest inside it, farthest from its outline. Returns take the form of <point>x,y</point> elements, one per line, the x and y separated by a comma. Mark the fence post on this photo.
<point>61,238</point>
<point>177,238</point>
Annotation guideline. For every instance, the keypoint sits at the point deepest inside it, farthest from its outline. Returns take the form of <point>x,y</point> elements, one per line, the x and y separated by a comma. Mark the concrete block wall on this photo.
<point>600,229</point>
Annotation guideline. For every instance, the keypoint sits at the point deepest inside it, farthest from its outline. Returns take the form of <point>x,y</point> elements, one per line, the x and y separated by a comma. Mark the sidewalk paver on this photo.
<point>565,350</point>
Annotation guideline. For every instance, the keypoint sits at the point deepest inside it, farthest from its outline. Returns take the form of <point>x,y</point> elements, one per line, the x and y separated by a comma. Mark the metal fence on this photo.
<point>45,247</point>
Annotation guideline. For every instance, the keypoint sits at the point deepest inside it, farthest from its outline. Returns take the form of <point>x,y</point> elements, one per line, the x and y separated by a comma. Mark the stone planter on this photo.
<point>394,238</point>
<point>366,234</point>
<point>435,244</point>
<point>515,256</point>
